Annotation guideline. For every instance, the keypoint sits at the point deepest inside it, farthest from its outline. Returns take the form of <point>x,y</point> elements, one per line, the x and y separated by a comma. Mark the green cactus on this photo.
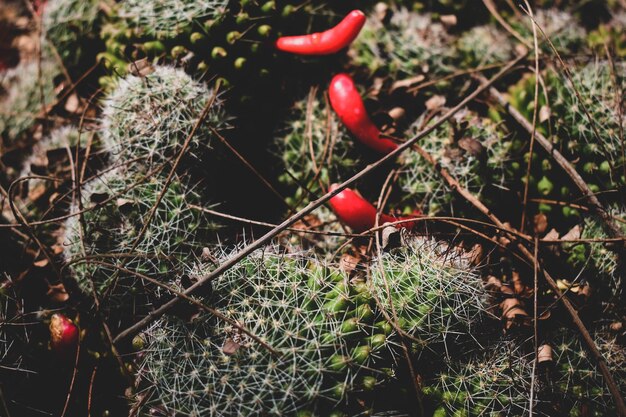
<point>598,158</point>
<point>610,34</point>
<point>600,264</point>
<point>436,295</point>
<point>315,148</point>
<point>26,93</point>
<point>72,26</point>
<point>599,94</point>
<point>321,326</point>
<point>405,44</point>
<point>492,382</point>
<point>561,27</point>
<point>578,382</point>
<point>151,117</point>
<point>485,45</point>
<point>471,148</point>
<point>228,39</point>
<point>164,19</point>
<point>110,230</point>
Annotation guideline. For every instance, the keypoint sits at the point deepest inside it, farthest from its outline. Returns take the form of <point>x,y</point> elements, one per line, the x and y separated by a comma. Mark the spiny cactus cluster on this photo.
<point>580,385</point>
<point>315,149</point>
<point>491,382</point>
<point>602,154</point>
<point>26,89</point>
<point>485,45</point>
<point>403,44</point>
<point>471,148</point>
<point>573,126</point>
<point>432,291</point>
<point>113,228</point>
<point>597,261</point>
<point>323,328</point>
<point>71,26</point>
<point>231,39</point>
<point>610,34</point>
<point>151,117</point>
<point>146,120</point>
<point>560,26</point>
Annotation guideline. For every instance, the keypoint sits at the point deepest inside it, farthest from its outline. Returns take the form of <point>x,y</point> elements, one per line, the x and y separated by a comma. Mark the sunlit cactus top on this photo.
<point>151,117</point>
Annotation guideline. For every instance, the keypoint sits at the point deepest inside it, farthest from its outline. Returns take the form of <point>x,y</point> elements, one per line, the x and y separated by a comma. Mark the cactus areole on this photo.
<point>358,213</point>
<point>347,103</point>
<point>63,334</point>
<point>324,43</point>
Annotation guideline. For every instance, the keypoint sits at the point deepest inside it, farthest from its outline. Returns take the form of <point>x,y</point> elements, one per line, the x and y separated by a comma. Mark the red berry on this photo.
<point>63,334</point>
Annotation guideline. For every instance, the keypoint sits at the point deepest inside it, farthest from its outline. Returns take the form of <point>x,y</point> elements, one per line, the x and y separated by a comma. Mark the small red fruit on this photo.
<point>63,334</point>
<point>357,213</point>
<point>324,43</point>
<point>347,103</point>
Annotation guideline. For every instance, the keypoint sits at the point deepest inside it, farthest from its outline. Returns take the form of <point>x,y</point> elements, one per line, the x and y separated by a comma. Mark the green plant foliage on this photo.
<point>485,45</point>
<point>585,130</point>
<point>471,148</point>
<point>402,43</point>
<point>116,204</point>
<point>70,25</point>
<point>600,98</point>
<point>432,289</point>
<point>169,18</point>
<point>321,326</point>
<point>598,263</point>
<point>561,27</point>
<point>582,390</point>
<point>492,382</point>
<point>610,34</point>
<point>151,117</point>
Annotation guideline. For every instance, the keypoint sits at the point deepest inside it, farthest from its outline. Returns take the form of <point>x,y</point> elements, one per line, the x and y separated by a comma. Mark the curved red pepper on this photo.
<point>359,214</point>
<point>347,103</point>
<point>327,42</point>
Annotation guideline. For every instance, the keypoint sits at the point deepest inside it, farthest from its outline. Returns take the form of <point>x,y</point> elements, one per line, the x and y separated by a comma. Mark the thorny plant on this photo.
<point>431,288</point>
<point>456,405</point>
<point>322,327</point>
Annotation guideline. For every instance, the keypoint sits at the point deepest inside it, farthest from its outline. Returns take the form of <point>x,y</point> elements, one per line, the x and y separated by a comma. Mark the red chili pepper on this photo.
<point>327,42</point>
<point>348,105</point>
<point>359,214</point>
<point>63,334</point>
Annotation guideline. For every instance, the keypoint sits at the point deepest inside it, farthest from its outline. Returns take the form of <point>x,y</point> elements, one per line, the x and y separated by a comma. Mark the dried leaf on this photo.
<point>230,347</point>
<point>72,104</point>
<point>397,113</point>
<point>140,68</point>
<point>435,102</point>
<point>540,223</point>
<point>41,263</point>
<point>57,293</point>
<point>573,234</point>
<point>471,146</point>
<point>391,238</point>
<point>448,20</point>
<point>544,353</point>
<point>407,82</point>
<point>348,263</point>
<point>544,113</point>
